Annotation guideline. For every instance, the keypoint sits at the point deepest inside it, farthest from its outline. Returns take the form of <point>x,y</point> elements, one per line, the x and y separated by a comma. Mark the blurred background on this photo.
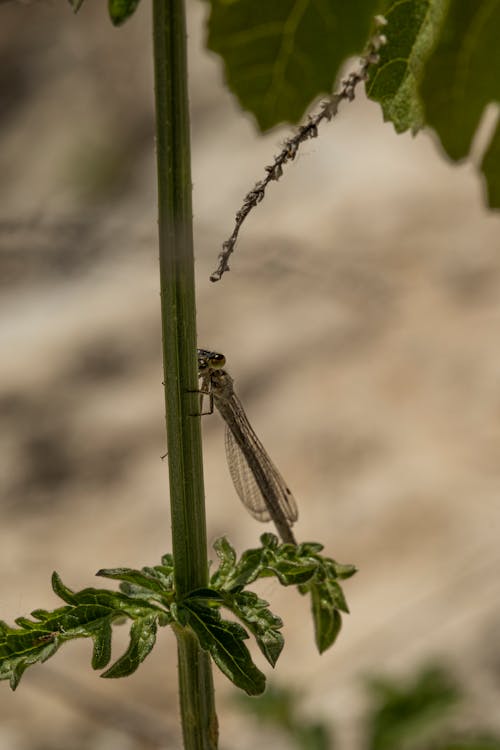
<point>360,321</point>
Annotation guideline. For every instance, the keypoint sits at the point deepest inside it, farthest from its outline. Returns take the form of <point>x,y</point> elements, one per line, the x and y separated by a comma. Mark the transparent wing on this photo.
<point>244,480</point>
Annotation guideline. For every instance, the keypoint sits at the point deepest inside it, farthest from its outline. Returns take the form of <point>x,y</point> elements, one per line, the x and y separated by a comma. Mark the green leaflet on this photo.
<point>142,640</point>
<point>119,10</point>
<point>261,622</point>
<point>440,67</point>
<point>90,613</point>
<point>411,32</point>
<point>252,611</point>
<point>462,78</point>
<point>301,565</point>
<point>224,642</point>
<point>280,55</point>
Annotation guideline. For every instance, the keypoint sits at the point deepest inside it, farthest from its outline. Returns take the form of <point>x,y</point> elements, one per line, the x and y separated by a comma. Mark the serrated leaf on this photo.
<point>17,672</point>
<point>461,79</point>
<point>291,564</point>
<point>23,622</point>
<point>300,565</point>
<point>146,582</point>
<point>101,653</point>
<point>327,619</point>
<point>253,612</point>
<point>62,591</point>
<point>344,571</point>
<point>281,55</point>
<point>120,10</point>
<point>411,32</point>
<point>246,570</point>
<point>142,640</point>
<point>41,614</point>
<point>19,650</point>
<point>337,596</point>
<point>224,642</point>
<point>90,614</point>
<point>306,549</point>
<point>227,558</point>
<point>293,572</point>
<point>207,594</point>
<point>261,622</point>
<point>271,541</point>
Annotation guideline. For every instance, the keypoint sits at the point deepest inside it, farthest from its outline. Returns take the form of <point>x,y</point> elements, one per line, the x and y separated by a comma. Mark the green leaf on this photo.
<point>101,653</point>
<point>62,591</point>
<point>248,569</point>
<point>261,622</point>
<point>253,612</point>
<point>227,558</point>
<point>279,55</point>
<point>461,76</point>
<point>490,167</point>
<point>120,10</point>
<point>293,572</point>
<point>224,642</point>
<point>343,571</point>
<point>411,32</point>
<point>291,564</point>
<point>461,79</point>
<point>90,613</point>
<point>142,640</point>
<point>301,565</point>
<point>207,594</point>
<point>326,617</point>
<point>154,583</point>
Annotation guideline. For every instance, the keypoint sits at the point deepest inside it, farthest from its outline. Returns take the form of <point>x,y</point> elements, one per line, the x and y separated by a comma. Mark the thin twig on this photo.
<point>328,109</point>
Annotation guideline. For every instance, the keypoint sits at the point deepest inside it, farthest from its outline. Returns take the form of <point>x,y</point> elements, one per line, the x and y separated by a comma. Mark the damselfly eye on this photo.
<point>208,360</point>
<point>217,360</point>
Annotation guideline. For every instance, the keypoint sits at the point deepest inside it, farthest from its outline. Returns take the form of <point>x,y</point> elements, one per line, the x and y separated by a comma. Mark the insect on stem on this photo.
<point>259,484</point>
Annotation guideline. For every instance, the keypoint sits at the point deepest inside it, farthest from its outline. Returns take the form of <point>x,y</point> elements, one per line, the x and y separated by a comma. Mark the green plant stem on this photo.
<point>178,313</point>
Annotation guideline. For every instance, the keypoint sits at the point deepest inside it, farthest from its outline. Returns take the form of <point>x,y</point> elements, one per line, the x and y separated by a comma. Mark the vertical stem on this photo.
<point>178,313</point>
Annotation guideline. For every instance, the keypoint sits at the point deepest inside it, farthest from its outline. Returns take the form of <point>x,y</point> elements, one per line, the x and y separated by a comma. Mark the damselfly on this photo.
<point>257,481</point>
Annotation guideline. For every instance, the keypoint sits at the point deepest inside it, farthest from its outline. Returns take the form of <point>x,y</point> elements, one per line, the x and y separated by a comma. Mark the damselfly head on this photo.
<point>208,360</point>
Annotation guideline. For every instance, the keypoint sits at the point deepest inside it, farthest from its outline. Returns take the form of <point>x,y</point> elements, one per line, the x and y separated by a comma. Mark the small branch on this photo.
<point>328,109</point>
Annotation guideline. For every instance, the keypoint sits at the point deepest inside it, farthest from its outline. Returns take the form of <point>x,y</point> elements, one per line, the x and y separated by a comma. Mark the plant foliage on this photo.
<point>410,713</point>
<point>439,67</point>
<point>411,32</point>
<point>279,59</point>
<point>148,599</point>
<point>461,80</point>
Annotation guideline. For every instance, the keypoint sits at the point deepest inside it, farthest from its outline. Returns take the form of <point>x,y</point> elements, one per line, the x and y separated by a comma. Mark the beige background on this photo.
<point>360,321</point>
